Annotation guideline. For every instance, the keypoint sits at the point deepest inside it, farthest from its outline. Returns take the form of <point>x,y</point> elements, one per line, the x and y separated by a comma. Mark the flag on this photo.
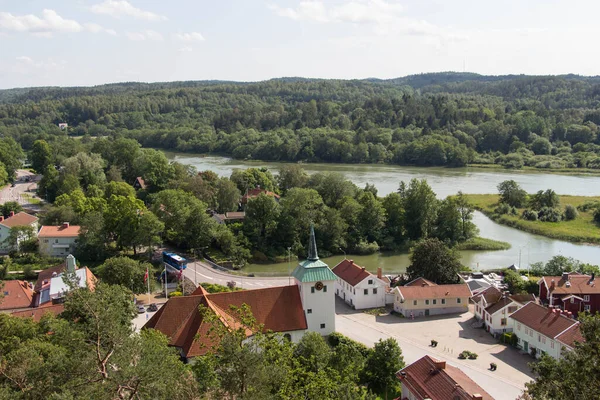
<point>180,274</point>
<point>146,275</point>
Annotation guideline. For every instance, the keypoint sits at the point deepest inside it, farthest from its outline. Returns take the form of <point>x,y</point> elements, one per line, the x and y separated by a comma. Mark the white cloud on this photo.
<point>95,28</point>
<point>145,35</point>
<point>50,22</point>
<point>28,63</point>
<point>185,49</point>
<point>189,37</point>
<point>385,17</point>
<point>119,8</point>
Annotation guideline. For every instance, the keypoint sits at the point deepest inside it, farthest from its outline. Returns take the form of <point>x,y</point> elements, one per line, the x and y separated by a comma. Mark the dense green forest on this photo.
<point>450,119</point>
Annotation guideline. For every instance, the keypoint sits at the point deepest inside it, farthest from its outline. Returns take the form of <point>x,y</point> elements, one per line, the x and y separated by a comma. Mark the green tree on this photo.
<point>371,219</point>
<point>394,209</point>
<point>252,178</point>
<point>126,272</point>
<point>381,366</point>
<point>227,195</point>
<point>91,243</point>
<point>541,146</point>
<point>153,166</point>
<point>41,156</point>
<point>570,212</point>
<point>3,175</point>
<point>260,223</point>
<point>291,176</point>
<point>559,264</point>
<point>332,186</point>
<point>122,220</point>
<point>433,260</point>
<point>514,282</point>
<point>574,375</point>
<point>10,206</point>
<point>118,189</point>
<point>512,194</point>
<point>11,156</point>
<point>49,184</point>
<point>420,208</point>
<point>542,199</point>
<point>20,238</point>
<point>87,168</point>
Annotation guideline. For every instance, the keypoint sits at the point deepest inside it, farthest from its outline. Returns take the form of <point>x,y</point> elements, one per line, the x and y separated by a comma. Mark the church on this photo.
<point>307,305</point>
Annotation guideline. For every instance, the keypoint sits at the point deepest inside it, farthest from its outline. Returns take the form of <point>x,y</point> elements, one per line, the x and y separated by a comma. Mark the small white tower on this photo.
<point>316,283</point>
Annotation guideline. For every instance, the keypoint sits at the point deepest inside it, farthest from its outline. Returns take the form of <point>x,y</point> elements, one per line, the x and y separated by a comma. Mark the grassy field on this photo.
<point>479,243</point>
<point>581,229</point>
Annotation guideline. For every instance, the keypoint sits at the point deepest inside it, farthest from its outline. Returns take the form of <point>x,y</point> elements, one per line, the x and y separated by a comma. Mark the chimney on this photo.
<point>552,284</point>
<point>591,279</point>
<point>12,214</point>
<point>565,276</point>
<point>440,364</point>
<point>423,284</point>
<point>477,396</point>
<point>379,273</point>
<point>363,268</point>
<point>65,225</point>
<point>569,314</point>
<point>71,265</point>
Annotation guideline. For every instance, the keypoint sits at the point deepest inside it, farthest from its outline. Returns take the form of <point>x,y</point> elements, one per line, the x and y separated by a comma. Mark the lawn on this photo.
<point>581,229</point>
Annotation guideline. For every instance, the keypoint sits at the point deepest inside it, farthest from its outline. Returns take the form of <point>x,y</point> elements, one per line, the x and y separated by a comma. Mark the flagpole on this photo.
<point>165,278</point>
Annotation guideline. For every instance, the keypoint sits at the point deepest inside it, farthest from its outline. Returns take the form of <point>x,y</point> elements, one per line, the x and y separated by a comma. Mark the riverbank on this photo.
<point>479,243</point>
<point>580,230</point>
<point>558,171</point>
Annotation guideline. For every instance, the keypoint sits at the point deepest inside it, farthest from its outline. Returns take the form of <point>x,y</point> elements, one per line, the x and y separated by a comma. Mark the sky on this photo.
<point>91,42</point>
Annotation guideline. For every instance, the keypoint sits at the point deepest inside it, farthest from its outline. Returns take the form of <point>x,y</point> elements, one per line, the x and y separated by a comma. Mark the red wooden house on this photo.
<point>572,292</point>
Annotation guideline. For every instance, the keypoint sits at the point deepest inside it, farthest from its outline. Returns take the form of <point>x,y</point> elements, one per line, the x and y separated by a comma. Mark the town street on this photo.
<point>9,193</point>
<point>199,272</point>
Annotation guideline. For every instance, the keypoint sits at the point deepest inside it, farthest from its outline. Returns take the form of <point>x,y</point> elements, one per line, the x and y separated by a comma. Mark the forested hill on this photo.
<point>451,119</point>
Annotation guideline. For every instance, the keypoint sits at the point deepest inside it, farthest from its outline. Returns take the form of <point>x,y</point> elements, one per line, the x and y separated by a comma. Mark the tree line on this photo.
<point>438,119</point>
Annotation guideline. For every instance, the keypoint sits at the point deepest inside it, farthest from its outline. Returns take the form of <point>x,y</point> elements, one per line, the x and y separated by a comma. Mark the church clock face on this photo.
<point>319,285</point>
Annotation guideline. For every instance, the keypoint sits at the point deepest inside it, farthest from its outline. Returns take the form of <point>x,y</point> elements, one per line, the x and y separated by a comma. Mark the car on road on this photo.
<point>153,307</point>
<point>141,309</point>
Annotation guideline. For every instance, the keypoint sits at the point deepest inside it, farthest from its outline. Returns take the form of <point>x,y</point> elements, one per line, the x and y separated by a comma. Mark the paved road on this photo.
<point>9,193</point>
<point>499,387</point>
<point>199,272</point>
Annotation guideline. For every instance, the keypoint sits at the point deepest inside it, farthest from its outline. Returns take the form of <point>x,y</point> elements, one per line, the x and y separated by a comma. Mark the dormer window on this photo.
<point>370,281</point>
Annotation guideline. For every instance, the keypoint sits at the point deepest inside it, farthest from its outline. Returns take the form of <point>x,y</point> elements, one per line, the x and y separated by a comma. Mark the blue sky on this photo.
<point>89,42</point>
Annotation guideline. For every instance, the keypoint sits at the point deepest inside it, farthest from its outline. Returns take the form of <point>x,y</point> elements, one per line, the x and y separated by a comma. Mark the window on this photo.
<point>309,311</point>
<point>434,301</point>
<point>312,289</point>
<point>45,240</point>
<point>443,301</point>
<point>55,240</point>
<point>518,327</point>
<point>322,326</point>
<point>374,291</point>
<point>552,344</point>
<point>324,288</point>
<point>512,309</point>
<point>426,302</point>
<point>353,291</point>
<point>544,339</point>
<point>370,281</point>
<point>458,300</point>
<point>366,292</point>
<point>503,321</point>
<point>572,300</point>
<point>586,307</point>
<point>415,303</point>
<point>586,297</point>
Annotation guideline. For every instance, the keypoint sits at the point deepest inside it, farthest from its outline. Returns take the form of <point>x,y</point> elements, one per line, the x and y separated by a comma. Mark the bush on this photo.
<point>502,209</point>
<point>364,248</point>
<point>548,214</point>
<point>597,216</point>
<point>467,354</point>
<point>589,205</point>
<point>530,215</point>
<point>175,294</point>
<point>570,212</point>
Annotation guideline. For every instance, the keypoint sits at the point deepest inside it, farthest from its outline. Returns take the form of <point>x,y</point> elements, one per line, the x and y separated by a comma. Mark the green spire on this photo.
<point>312,246</point>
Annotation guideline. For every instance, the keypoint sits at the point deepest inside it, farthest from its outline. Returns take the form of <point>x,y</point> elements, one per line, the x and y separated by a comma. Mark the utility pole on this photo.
<point>289,265</point>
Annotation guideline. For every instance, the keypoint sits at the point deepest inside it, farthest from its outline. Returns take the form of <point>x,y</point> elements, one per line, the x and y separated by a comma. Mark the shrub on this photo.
<point>364,247</point>
<point>589,205</point>
<point>175,294</point>
<point>597,216</point>
<point>548,214</point>
<point>570,212</point>
<point>530,215</point>
<point>502,209</point>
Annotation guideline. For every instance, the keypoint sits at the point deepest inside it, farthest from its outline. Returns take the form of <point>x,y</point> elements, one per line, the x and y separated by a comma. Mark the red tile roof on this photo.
<point>140,182</point>
<point>578,284</point>
<point>19,219</point>
<point>252,193</point>
<point>490,294</point>
<point>46,275</point>
<point>434,292</point>
<point>37,313</point>
<point>59,231</point>
<point>547,321</point>
<point>504,301</point>
<point>571,335</point>
<point>15,295</point>
<point>421,282</point>
<point>351,272</point>
<point>428,378</point>
<point>278,309</point>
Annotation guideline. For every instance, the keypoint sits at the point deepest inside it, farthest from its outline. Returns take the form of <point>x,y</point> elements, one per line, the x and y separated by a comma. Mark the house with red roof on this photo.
<point>545,330</point>
<point>257,191</point>
<point>14,220</point>
<point>139,183</point>
<point>572,292</point>
<point>358,287</point>
<point>432,379</point>
<point>307,305</point>
<point>493,307</point>
<point>423,298</point>
<point>58,241</point>
<point>15,296</point>
<point>37,313</point>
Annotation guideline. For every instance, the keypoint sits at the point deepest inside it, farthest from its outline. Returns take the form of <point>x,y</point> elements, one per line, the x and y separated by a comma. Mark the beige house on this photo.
<point>427,298</point>
<point>58,241</point>
<point>12,221</point>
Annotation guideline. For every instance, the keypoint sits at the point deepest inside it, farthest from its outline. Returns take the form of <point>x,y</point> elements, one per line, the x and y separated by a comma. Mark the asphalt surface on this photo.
<point>199,272</point>
<point>9,193</point>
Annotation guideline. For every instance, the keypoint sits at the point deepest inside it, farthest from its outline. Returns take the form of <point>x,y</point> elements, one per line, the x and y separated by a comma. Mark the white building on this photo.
<point>422,297</point>
<point>493,308</point>
<point>58,241</point>
<point>14,220</point>
<point>541,330</point>
<point>358,287</point>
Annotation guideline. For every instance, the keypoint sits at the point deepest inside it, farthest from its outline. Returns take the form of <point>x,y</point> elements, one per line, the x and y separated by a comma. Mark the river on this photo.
<point>444,182</point>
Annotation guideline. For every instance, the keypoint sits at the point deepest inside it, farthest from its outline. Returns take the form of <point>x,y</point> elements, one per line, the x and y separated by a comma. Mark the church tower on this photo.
<point>316,284</point>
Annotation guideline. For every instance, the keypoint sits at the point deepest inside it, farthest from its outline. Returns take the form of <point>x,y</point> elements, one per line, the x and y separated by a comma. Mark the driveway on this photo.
<point>454,335</point>
<point>21,190</point>
<point>199,272</point>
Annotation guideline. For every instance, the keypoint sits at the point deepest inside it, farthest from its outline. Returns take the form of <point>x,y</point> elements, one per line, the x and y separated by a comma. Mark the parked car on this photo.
<point>141,309</point>
<point>153,307</point>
